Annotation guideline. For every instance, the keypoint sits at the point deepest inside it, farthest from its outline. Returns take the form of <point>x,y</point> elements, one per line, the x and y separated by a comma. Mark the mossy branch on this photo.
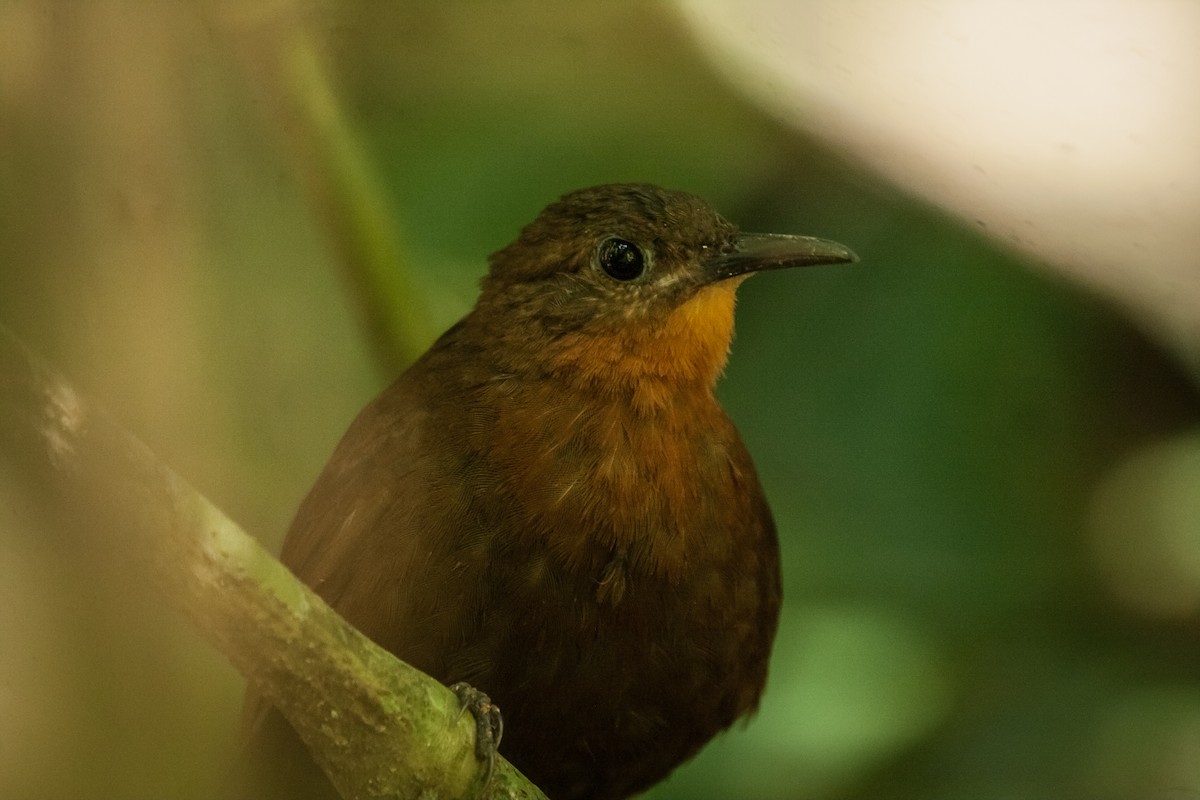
<point>378,727</point>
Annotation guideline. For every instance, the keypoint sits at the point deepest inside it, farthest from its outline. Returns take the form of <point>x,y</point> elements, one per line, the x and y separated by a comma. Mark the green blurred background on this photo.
<point>987,482</point>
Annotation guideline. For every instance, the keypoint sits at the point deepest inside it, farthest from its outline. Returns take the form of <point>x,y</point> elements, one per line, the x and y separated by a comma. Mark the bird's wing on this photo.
<point>379,537</point>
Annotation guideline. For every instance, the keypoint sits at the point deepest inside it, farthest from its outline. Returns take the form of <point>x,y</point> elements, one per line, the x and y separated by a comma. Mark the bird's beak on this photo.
<point>756,252</point>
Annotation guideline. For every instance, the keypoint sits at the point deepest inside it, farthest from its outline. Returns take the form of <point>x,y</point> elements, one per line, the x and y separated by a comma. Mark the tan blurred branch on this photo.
<point>284,68</point>
<point>361,712</point>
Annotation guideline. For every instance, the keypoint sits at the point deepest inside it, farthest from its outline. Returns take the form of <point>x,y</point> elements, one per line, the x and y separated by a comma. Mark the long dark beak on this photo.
<point>756,252</point>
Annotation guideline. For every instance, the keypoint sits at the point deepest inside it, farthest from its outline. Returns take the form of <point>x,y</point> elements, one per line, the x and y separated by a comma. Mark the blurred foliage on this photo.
<point>985,481</point>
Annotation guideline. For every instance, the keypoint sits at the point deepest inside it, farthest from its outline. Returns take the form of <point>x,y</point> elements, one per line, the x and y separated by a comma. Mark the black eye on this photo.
<point>622,260</point>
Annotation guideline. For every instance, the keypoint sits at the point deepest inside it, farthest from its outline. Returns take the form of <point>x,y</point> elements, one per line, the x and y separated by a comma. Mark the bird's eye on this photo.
<point>621,259</point>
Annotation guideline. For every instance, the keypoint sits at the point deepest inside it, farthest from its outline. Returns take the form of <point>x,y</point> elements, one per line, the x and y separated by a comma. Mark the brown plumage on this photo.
<point>551,506</point>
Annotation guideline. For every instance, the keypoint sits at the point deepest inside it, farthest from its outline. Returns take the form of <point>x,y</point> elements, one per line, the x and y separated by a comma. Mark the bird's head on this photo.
<point>629,286</point>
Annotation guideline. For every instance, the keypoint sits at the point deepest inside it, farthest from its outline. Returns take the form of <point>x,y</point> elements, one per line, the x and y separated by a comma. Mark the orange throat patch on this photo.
<point>654,359</point>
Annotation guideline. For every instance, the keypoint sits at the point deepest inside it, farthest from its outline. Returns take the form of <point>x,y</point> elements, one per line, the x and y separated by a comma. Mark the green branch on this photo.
<point>284,68</point>
<point>378,727</point>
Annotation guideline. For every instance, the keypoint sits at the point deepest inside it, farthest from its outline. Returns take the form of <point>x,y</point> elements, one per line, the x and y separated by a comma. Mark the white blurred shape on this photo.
<point>1067,128</point>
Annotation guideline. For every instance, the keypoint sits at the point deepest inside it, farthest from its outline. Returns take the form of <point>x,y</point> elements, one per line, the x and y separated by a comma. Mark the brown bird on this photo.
<point>551,506</point>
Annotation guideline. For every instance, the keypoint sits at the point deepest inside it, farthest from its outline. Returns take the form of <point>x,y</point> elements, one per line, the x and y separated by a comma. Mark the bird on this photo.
<point>551,506</point>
